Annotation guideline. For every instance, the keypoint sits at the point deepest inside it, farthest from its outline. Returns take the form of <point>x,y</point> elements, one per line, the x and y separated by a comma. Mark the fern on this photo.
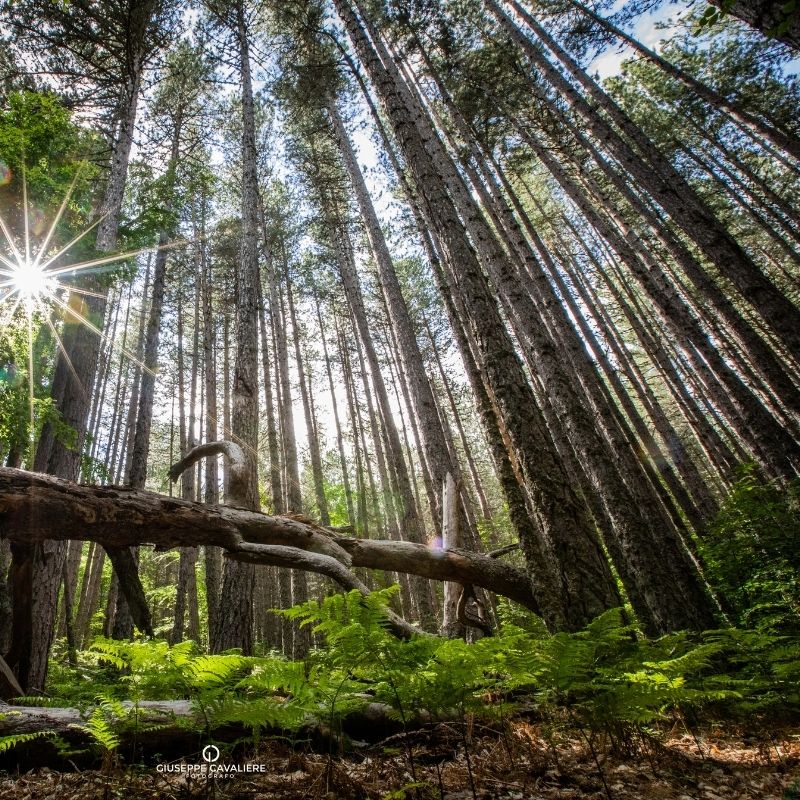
<point>104,722</point>
<point>9,742</point>
<point>604,677</point>
<point>38,701</point>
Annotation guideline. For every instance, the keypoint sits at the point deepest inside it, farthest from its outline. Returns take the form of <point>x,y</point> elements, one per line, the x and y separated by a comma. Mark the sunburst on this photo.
<point>30,280</point>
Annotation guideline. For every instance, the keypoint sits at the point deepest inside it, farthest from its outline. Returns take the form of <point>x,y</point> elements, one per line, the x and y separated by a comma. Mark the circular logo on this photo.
<point>211,753</point>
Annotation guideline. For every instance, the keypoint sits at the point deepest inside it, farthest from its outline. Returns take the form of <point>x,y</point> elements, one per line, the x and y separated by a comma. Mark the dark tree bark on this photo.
<point>234,629</point>
<point>772,17</point>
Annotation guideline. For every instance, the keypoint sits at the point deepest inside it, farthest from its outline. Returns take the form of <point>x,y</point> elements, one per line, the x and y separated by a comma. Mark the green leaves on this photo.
<point>100,725</point>
<point>752,554</point>
<point>603,678</point>
<point>9,742</point>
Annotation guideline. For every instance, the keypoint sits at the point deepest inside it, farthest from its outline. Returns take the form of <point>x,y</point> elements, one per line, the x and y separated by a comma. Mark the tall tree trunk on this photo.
<point>313,441</point>
<point>272,432</point>
<point>568,570</point>
<point>348,492</point>
<point>426,416</point>
<point>235,628</point>
<point>359,441</point>
<point>301,640</point>
<point>213,555</point>
<point>35,613</point>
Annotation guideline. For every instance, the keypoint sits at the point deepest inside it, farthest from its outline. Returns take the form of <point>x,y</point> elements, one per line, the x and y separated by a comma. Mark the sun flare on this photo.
<point>31,281</point>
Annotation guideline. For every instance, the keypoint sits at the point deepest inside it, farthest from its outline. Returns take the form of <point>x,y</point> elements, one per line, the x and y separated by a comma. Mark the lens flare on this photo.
<point>31,282</point>
<point>29,279</point>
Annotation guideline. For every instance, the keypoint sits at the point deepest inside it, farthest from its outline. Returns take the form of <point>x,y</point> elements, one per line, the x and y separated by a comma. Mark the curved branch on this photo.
<point>234,455</point>
<point>293,557</point>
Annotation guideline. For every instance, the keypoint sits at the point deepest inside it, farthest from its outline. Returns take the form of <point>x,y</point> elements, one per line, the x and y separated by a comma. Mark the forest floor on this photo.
<point>523,763</point>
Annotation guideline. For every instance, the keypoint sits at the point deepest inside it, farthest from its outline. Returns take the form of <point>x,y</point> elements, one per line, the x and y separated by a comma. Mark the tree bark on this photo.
<point>36,507</point>
<point>234,629</point>
<point>773,18</point>
<point>451,626</point>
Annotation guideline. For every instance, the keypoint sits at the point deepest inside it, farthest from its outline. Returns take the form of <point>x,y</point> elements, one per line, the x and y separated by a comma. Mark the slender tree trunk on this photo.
<point>568,570</point>
<point>451,627</point>
<point>235,628</point>
<point>348,492</point>
<point>35,612</point>
<point>313,442</point>
<point>358,449</point>
<point>213,555</point>
<point>272,433</point>
<point>486,511</point>
<point>427,419</point>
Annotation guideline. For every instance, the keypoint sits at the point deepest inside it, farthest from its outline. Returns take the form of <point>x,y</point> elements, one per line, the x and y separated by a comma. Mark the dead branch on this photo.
<point>36,507</point>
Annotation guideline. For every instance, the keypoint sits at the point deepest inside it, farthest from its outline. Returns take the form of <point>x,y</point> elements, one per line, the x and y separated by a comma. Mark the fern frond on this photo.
<point>9,742</point>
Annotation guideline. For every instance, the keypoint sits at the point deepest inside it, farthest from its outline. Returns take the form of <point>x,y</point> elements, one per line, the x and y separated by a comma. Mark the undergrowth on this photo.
<point>601,679</point>
<point>604,679</point>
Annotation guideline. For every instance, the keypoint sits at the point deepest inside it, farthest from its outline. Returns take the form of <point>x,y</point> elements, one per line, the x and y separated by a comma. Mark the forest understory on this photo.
<point>522,761</point>
<point>400,399</point>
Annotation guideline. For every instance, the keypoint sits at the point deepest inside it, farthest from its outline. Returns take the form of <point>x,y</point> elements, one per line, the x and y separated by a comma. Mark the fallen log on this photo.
<point>15,720</point>
<point>175,729</point>
<point>36,507</point>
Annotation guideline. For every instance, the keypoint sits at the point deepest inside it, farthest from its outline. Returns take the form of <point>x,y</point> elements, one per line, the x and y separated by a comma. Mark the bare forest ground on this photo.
<point>523,762</point>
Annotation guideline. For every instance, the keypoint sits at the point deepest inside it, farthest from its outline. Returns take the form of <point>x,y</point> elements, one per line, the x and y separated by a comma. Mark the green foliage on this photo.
<point>337,504</point>
<point>42,148</point>
<point>752,554</point>
<point>10,742</point>
<point>226,688</point>
<point>712,15</point>
<point>101,723</point>
<point>40,142</point>
<point>604,677</point>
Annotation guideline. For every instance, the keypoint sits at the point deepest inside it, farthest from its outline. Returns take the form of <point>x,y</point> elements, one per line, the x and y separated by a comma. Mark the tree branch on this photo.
<point>234,455</point>
<point>294,558</point>
<point>35,507</point>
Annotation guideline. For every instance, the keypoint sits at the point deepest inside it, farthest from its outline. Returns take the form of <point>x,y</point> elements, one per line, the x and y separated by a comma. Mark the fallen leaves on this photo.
<point>520,762</point>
